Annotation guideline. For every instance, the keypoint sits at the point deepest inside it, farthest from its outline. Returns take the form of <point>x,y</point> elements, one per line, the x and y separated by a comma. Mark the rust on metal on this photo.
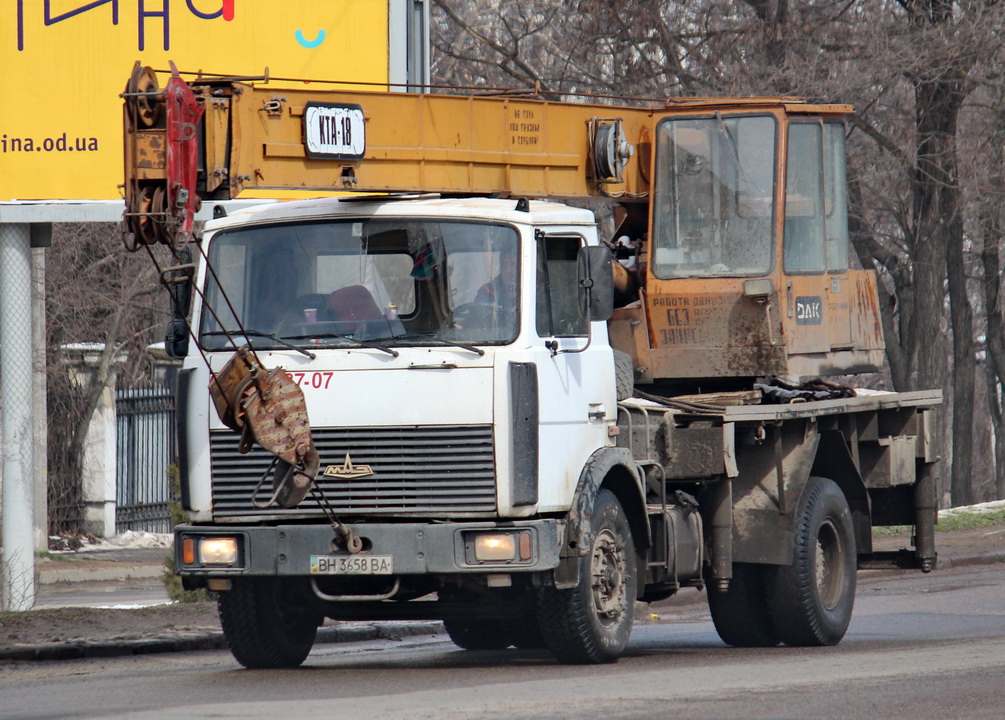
<point>161,154</point>
<point>227,388</point>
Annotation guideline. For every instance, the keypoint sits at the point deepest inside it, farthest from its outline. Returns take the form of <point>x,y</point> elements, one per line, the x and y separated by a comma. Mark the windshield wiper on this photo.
<point>248,334</point>
<point>453,343</point>
<point>362,343</point>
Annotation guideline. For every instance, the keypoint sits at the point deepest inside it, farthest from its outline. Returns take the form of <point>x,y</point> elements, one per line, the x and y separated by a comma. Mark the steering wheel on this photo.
<point>473,316</point>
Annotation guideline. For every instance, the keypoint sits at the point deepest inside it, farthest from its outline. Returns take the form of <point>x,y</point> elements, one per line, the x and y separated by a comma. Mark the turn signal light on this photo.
<point>525,549</point>
<point>188,551</point>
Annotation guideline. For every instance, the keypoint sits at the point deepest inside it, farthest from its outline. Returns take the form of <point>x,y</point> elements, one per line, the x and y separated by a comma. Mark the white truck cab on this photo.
<point>399,314</point>
<point>458,397</point>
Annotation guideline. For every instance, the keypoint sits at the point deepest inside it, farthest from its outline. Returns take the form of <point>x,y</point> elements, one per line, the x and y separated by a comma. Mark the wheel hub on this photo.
<point>828,565</point>
<point>608,576</point>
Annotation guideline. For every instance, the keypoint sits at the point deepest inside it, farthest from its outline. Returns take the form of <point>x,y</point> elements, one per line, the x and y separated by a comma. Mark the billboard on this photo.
<point>66,61</point>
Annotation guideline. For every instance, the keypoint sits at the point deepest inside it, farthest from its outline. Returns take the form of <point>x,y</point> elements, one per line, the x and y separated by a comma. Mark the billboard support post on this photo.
<point>17,568</point>
<point>41,236</point>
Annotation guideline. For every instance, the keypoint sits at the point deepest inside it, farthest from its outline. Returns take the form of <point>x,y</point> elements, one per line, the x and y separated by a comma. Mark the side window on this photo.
<point>558,286</point>
<point>804,200</point>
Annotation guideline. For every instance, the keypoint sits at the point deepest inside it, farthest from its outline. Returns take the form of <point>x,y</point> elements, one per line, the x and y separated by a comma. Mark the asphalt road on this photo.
<point>919,647</point>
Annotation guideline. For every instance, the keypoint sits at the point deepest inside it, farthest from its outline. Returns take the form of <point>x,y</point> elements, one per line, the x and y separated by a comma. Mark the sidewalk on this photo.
<point>102,565</point>
<point>128,572</point>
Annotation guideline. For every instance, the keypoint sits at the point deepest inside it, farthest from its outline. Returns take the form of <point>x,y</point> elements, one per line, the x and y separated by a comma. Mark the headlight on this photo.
<point>217,551</point>
<point>495,547</point>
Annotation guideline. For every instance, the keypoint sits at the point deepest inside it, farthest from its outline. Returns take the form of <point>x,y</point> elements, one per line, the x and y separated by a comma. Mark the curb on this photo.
<point>115,648</point>
<point>989,558</point>
<point>73,575</point>
<point>380,631</point>
<point>208,641</point>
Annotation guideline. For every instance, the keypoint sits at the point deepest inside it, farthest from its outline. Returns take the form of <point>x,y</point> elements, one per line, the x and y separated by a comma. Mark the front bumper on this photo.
<point>419,548</point>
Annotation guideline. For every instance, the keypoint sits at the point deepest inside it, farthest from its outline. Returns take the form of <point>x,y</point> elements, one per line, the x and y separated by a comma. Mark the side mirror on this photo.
<point>181,297</point>
<point>596,283</point>
<point>178,281</point>
<point>176,339</point>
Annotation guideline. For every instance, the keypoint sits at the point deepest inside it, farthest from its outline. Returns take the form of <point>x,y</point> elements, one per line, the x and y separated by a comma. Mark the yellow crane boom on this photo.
<point>734,208</point>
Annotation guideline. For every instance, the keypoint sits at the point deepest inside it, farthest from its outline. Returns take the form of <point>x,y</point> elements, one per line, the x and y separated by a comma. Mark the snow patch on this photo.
<point>128,540</point>
<point>988,507</point>
<point>133,539</point>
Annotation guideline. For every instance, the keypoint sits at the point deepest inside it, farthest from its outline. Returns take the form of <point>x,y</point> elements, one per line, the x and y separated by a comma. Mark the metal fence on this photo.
<point>145,448</point>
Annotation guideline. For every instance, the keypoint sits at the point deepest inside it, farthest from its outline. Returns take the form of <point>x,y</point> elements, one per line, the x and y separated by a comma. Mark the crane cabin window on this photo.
<point>715,190</point>
<point>816,200</point>
<point>804,200</point>
<point>836,197</point>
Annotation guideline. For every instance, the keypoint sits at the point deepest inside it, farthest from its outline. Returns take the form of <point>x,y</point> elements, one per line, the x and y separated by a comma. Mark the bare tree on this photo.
<point>95,292</point>
<point>990,196</point>
<point>910,67</point>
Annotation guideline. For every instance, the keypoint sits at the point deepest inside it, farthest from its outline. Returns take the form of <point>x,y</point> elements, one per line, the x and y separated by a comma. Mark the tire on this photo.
<point>262,626</point>
<point>592,622</point>
<point>624,375</point>
<point>477,633</point>
<point>741,615</point>
<point>812,599</point>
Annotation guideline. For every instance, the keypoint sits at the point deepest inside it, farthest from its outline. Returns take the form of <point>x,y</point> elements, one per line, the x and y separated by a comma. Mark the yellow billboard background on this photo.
<point>66,61</point>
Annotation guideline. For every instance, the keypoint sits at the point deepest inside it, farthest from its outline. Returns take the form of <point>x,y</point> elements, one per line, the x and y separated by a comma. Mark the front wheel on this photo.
<point>811,600</point>
<point>591,623</point>
<point>264,626</point>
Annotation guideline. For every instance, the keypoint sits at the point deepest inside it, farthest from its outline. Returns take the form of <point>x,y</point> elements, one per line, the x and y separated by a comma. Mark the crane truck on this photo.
<point>537,363</point>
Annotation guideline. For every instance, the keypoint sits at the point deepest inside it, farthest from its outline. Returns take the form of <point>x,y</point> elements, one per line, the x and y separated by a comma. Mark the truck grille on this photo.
<point>417,471</point>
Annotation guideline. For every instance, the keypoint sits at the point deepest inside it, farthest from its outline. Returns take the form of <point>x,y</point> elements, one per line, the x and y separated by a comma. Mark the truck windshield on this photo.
<point>357,282</point>
<point>715,194</point>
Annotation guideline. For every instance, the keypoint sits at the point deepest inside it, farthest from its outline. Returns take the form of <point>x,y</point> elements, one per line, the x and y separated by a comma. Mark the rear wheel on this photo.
<point>264,626</point>
<point>811,600</point>
<point>741,614</point>
<point>591,623</point>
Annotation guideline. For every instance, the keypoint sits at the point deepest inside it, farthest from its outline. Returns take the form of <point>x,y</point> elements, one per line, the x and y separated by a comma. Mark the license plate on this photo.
<point>352,565</point>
